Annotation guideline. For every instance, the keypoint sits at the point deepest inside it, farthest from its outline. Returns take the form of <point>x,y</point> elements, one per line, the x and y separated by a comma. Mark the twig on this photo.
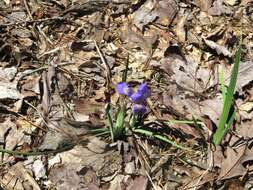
<point>205,172</point>
<point>106,66</point>
<point>31,21</point>
<point>38,27</point>
<point>42,117</point>
<point>151,181</point>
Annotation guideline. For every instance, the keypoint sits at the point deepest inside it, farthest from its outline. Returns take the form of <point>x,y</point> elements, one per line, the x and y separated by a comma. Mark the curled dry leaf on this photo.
<point>218,48</point>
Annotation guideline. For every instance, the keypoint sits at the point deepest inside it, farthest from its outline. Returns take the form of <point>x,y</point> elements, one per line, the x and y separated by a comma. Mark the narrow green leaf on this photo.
<point>160,137</point>
<point>124,76</point>
<point>228,99</point>
<point>108,111</point>
<point>120,121</point>
<point>222,82</point>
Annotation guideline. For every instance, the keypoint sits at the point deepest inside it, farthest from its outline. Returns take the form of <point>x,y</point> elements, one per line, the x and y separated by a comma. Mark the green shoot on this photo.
<point>222,126</point>
<point>120,122</point>
<point>108,111</point>
<point>222,82</point>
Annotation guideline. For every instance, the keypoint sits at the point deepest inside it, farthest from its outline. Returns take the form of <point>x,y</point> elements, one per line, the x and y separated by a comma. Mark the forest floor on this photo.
<point>60,62</point>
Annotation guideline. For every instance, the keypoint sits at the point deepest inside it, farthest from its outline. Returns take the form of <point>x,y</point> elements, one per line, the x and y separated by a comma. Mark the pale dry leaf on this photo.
<point>180,28</point>
<point>245,129</point>
<point>247,106</point>
<point>186,73</point>
<point>39,169</point>
<point>162,12</point>
<point>232,166</point>
<point>8,74</point>
<point>244,75</point>
<point>139,183</point>
<point>18,178</point>
<point>117,182</point>
<point>204,5</point>
<point>65,177</point>
<point>218,48</point>
<point>14,136</point>
<point>8,91</point>
<point>231,2</point>
<point>143,17</point>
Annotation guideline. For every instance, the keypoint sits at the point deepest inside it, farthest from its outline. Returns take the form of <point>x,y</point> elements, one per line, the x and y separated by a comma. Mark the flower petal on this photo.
<point>144,90</point>
<point>123,88</point>
<point>139,109</point>
<point>137,98</point>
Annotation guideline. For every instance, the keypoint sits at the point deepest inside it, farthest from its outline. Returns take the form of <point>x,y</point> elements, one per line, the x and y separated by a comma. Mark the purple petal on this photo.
<point>144,90</point>
<point>137,98</point>
<point>139,109</point>
<point>123,88</point>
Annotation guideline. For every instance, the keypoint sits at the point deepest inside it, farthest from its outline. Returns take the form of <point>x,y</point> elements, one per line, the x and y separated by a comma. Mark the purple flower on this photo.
<point>144,90</point>
<point>123,88</point>
<point>141,95</point>
<point>137,98</point>
<point>139,109</point>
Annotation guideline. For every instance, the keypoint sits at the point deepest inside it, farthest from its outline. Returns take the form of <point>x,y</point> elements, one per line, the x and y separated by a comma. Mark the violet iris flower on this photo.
<point>138,97</point>
<point>124,89</point>
<point>141,95</point>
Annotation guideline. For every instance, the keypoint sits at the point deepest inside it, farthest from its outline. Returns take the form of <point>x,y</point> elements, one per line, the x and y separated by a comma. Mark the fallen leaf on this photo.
<point>218,48</point>
<point>139,183</point>
<point>18,178</point>
<point>161,11</point>
<point>8,91</point>
<point>232,166</point>
<point>244,75</point>
<point>180,28</point>
<point>203,5</point>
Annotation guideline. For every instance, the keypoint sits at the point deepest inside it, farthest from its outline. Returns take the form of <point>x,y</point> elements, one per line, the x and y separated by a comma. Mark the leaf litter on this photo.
<point>60,61</point>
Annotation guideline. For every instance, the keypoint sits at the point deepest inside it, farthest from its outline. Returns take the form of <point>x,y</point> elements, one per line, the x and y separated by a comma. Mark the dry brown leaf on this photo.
<point>204,5</point>
<point>165,11</point>
<point>180,28</point>
<point>218,48</point>
<point>244,75</point>
<point>66,177</point>
<point>18,178</point>
<point>139,183</point>
<point>88,106</point>
<point>232,166</point>
<point>245,129</point>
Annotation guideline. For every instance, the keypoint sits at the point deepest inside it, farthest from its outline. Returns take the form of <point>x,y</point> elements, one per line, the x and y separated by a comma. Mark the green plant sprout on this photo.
<point>225,121</point>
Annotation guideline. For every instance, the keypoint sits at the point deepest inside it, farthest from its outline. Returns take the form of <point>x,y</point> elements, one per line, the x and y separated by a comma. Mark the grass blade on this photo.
<point>222,82</point>
<point>120,121</point>
<point>108,111</point>
<point>160,137</point>
<point>228,100</point>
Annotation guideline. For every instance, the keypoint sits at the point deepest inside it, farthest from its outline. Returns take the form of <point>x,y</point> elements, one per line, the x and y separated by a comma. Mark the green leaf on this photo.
<point>160,137</point>
<point>108,111</point>
<point>228,100</point>
<point>120,122</point>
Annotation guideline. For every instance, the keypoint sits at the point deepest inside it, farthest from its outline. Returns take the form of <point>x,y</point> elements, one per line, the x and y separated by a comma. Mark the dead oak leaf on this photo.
<point>232,166</point>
